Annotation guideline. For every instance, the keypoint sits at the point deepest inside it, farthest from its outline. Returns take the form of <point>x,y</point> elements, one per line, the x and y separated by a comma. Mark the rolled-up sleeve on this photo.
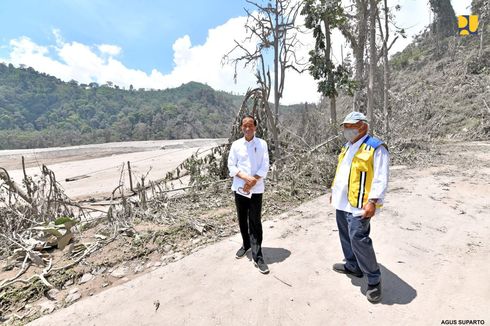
<point>264,164</point>
<point>381,173</point>
<point>232,162</point>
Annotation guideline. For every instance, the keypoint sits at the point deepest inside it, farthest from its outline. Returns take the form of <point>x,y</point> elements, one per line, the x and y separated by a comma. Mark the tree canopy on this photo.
<point>37,110</point>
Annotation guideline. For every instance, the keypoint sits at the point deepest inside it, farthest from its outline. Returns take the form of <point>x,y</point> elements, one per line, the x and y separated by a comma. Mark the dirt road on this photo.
<point>432,241</point>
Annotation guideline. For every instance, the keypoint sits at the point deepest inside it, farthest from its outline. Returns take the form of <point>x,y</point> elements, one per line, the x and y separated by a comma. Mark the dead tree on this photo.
<point>482,9</point>
<point>445,23</point>
<point>355,30</point>
<point>373,11</point>
<point>385,49</point>
<point>270,26</point>
<point>254,103</point>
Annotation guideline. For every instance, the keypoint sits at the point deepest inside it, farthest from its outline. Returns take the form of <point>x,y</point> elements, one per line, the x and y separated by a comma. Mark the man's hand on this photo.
<point>250,181</point>
<point>246,188</point>
<point>368,210</point>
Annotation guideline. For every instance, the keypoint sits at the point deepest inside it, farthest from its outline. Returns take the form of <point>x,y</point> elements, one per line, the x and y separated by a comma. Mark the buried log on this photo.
<point>76,178</point>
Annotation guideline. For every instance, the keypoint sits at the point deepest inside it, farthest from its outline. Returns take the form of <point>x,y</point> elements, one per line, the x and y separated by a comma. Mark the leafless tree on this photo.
<point>373,11</point>
<point>355,30</point>
<point>270,26</point>
<point>385,36</point>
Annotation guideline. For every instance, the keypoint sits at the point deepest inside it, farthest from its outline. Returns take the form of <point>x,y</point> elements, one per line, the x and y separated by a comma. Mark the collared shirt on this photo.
<point>250,157</point>
<point>380,178</point>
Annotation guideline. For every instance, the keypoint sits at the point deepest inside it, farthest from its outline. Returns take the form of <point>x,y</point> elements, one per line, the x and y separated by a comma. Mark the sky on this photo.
<point>157,44</point>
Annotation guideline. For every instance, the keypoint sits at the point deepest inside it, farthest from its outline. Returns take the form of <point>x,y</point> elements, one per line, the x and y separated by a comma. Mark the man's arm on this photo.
<point>380,181</point>
<point>381,174</point>
<point>264,163</point>
<point>232,162</point>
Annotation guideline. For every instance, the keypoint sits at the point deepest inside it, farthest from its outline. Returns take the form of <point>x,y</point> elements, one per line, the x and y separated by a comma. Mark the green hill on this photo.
<point>37,110</point>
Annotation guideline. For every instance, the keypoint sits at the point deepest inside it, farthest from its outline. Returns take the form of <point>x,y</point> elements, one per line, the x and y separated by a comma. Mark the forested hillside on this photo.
<point>440,89</point>
<point>37,110</point>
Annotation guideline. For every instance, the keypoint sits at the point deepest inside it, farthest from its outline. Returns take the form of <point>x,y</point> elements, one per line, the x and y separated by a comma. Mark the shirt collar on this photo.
<point>252,141</point>
<point>358,142</point>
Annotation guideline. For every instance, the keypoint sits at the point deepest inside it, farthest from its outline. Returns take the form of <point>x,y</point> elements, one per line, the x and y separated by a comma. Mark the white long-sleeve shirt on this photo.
<point>380,178</point>
<point>250,157</point>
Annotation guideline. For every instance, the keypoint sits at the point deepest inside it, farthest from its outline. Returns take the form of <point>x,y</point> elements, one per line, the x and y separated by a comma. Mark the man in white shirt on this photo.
<point>248,163</point>
<point>358,190</point>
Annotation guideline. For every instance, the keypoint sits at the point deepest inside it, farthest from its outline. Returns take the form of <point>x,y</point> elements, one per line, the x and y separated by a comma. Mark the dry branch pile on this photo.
<point>45,236</point>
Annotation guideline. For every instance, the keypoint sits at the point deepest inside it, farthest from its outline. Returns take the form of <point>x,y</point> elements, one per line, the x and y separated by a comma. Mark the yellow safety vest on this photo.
<point>361,171</point>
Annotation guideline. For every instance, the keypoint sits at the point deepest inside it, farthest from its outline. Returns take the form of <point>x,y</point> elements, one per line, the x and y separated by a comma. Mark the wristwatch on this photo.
<point>372,200</point>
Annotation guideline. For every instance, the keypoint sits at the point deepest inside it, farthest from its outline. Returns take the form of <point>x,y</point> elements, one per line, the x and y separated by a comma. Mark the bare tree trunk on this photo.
<point>386,76</point>
<point>482,30</point>
<point>277,149</point>
<point>372,62</point>
<point>358,44</point>
<point>328,49</point>
<point>276,65</point>
<point>333,111</point>
<point>358,77</point>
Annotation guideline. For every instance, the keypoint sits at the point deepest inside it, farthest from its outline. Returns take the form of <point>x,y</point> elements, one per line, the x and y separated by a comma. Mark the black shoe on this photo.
<point>373,293</point>
<point>262,266</point>
<point>241,253</point>
<point>340,268</point>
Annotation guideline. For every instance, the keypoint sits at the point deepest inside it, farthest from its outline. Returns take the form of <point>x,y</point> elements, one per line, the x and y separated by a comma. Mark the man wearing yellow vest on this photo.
<point>357,192</point>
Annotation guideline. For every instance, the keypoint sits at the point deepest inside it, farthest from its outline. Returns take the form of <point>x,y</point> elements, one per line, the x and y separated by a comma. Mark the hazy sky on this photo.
<point>153,44</point>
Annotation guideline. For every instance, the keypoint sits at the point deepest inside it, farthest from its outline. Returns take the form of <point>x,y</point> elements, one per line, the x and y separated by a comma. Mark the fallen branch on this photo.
<point>277,278</point>
<point>488,108</point>
<point>25,266</point>
<point>79,177</point>
<point>13,186</point>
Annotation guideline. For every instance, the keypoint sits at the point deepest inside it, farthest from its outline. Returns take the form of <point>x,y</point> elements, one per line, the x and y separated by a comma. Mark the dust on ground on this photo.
<point>431,240</point>
<point>96,169</point>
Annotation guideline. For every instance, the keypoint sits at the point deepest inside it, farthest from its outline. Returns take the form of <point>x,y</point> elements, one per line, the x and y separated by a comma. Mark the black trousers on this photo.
<point>249,211</point>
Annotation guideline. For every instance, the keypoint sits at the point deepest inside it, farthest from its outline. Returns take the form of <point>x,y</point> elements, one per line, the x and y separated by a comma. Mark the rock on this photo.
<point>150,264</point>
<point>158,264</point>
<point>73,296</point>
<point>74,290</point>
<point>120,272</point>
<point>54,294</point>
<point>139,269</point>
<point>178,256</point>
<point>167,248</point>
<point>100,270</point>
<point>68,283</point>
<point>166,258</point>
<point>105,285</point>
<point>47,307</point>
<point>196,249</point>
<point>85,278</point>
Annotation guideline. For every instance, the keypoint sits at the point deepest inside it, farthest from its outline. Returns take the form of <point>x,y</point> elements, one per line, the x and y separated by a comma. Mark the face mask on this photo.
<point>350,134</point>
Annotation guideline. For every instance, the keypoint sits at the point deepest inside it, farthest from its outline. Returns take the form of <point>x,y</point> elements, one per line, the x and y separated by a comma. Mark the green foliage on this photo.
<point>402,60</point>
<point>37,110</point>
<point>322,16</point>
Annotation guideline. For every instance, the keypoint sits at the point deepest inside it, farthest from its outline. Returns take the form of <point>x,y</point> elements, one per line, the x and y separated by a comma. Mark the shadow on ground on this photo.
<point>395,290</point>
<point>272,255</point>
